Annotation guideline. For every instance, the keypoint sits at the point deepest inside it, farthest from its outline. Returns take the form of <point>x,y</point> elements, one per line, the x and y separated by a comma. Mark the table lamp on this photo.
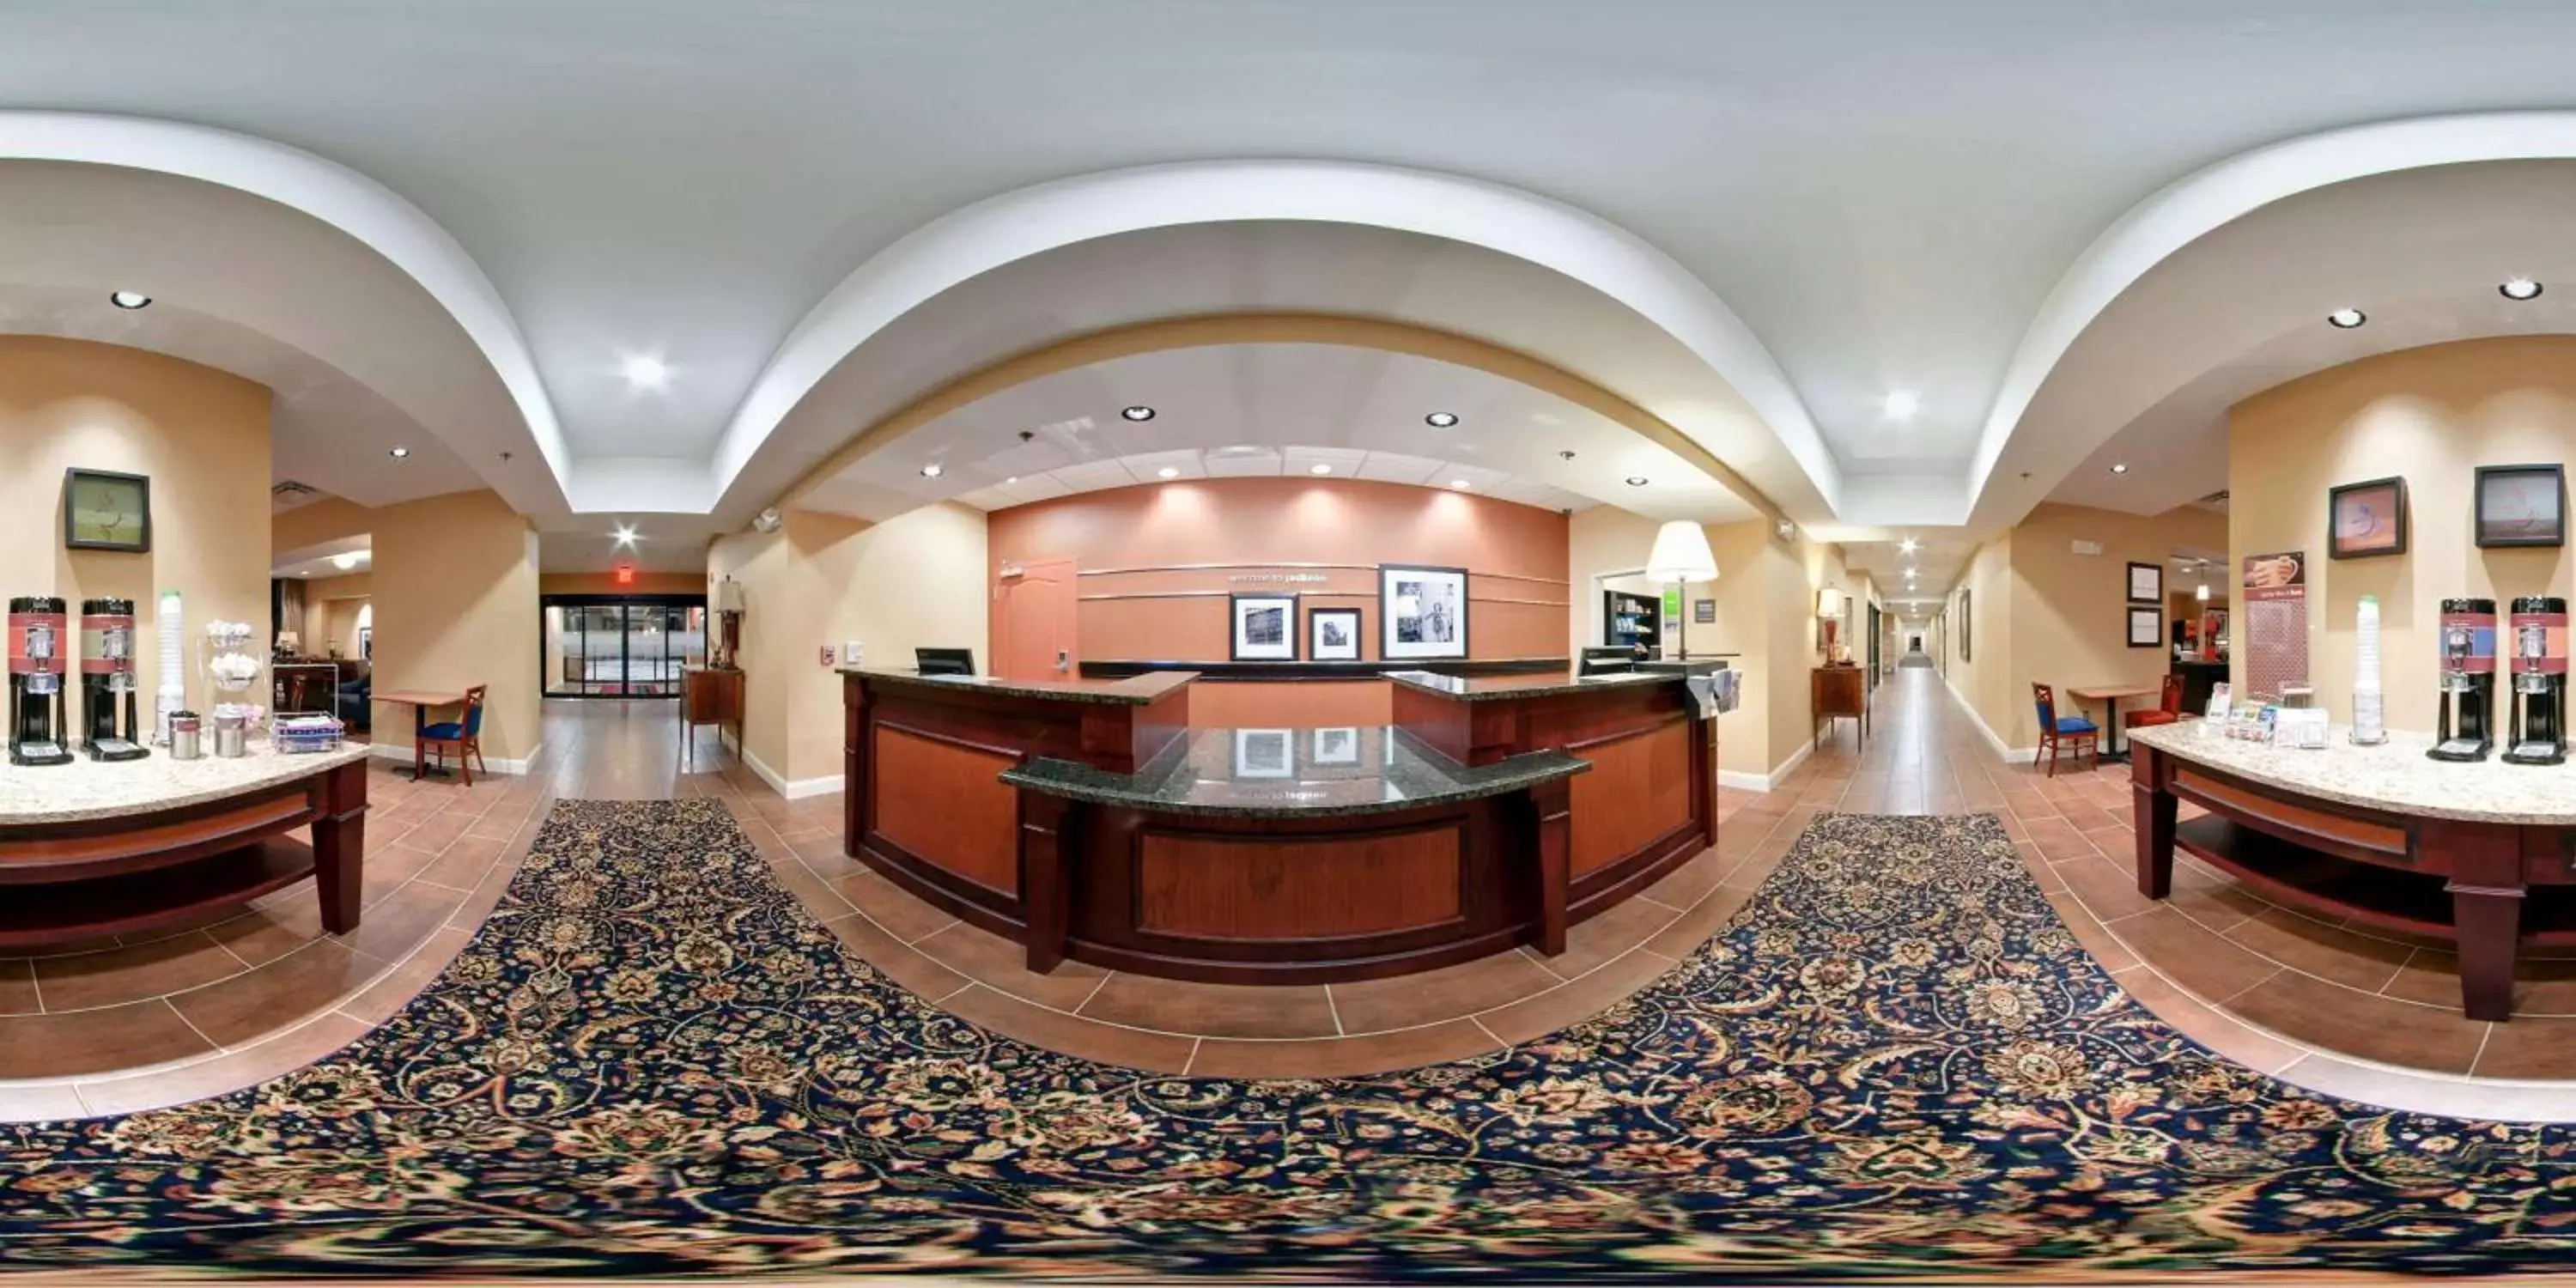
<point>1681,556</point>
<point>1829,609</point>
<point>728,606</point>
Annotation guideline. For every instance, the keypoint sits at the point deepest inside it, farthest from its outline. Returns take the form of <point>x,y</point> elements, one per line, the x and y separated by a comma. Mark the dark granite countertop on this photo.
<point>1294,773</point>
<point>1136,691</point>
<point>1487,688</point>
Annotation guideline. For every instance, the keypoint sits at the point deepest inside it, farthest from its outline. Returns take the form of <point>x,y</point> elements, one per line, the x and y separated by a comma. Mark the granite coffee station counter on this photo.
<point>1089,819</point>
<point>92,848</point>
<point>2480,853</point>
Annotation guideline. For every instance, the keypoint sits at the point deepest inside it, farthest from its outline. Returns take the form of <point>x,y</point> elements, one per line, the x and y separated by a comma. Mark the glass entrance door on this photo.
<point>603,647</point>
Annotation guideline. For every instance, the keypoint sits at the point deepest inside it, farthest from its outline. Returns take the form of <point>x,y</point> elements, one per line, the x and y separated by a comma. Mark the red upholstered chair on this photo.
<point>2055,730</point>
<point>2167,711</point>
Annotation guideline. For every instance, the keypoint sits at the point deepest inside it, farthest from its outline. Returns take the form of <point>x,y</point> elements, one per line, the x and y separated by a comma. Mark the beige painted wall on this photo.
<point>202,437</point>
<point>333,603</point>
<point>1982,679</point>
<point>2430,416</point>
<point>911,581</point>
<point>466,613</point>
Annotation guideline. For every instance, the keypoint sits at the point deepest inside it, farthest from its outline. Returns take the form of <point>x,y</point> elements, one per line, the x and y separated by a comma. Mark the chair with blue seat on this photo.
<point>465,735</point>
<point>2054,729</point>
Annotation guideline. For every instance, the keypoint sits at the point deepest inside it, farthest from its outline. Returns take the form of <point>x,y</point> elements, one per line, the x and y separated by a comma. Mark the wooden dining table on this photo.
<point>2110,696</point>
<point>420,701</point>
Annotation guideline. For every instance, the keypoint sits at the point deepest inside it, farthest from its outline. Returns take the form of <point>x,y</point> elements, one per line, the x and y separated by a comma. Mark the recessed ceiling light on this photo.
<point>137,299</point>
<point>1441,419</point>
<point>644,371</point>
<point>625,535</point>
<point>399,453</point>
<point>1460,484</point>
<point>2346,319</point>
<point>1138,412</point>
<point>1902,404</point>
<point>932,470</point>
<point>1907,546</point>
<point>1008,481</point>
<point>346,561</point>
<point>2519,288</point>
<point>2119,467</point>
<point>1168,472</point>
<point>1636,480</point>
<point>1319,469</point>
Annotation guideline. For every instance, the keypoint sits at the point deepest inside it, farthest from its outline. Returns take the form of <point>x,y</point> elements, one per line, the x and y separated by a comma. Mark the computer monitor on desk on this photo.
<point>944,661</point>
<point>1608,661</point>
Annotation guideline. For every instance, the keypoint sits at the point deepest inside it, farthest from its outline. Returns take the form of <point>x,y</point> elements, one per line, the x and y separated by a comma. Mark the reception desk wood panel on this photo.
<point>1271,855</point>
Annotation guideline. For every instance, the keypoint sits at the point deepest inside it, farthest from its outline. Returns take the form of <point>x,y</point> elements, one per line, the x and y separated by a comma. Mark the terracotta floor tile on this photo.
<point>484,898</point>
<point>2207,1025</point>
<point>18,987</point>
<point>463,864</point>
<point>1341,1057</point>
<point>279,995</point>
<point>388,871</point>
<point>379,1001</point>
<point>905,917</point>
<point>1452,992</point>
<point>265,933</point>
<point>820,897</point>
<point>1687,884</point>
<point>96,1042</point>
<point>1693,928</point>
<point>1213,1010</point>
<point>998,963</point>
<point>2106,948</point>
<point>823,855</point>
<point>227,1073</point>
<point>2542,986</point>
<point>2219,902</point>
<point>2360,1024</point>
<point>405,919</point>
<point>870,943</point>
<point>1607,934</point>
<point>132,974</point>
<point>2196,958</point>
<point>2530,1046</point>
<point>2107,889</point>
<point>1071,1034</point>
<point>2356,961</point>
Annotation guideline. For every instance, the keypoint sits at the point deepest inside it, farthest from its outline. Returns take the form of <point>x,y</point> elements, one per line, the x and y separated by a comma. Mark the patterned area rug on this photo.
<point>1896,1062</point>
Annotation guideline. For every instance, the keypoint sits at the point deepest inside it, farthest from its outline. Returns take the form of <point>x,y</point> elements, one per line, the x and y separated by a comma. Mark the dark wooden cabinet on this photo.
<point>1840,691</point>
<point>709,696</point>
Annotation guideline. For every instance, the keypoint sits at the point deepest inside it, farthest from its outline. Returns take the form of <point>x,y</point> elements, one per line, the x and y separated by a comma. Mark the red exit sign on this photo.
<point>625,574</point>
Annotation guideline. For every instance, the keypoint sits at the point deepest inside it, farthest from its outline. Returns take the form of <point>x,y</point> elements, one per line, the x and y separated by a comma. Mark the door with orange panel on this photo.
<point>1033,620</point>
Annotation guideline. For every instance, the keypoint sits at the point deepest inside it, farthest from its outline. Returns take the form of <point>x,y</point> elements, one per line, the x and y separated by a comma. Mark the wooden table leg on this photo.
<point>2489,919</point>
<point>2155,810</point>
<point>340,847</point>
<point>1552,804</point>
<point>1046,878</point>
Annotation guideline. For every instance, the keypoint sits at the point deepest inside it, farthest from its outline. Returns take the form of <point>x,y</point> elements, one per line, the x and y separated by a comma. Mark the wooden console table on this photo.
<point>90,849</point>
<point>1840,691</point>
<point>709,696</point>
<point>2482,855</point>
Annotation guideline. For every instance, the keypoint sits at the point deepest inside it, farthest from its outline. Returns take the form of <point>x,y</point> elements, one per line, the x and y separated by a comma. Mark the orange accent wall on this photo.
<point>1515,555</point>
<point>1301,704</point>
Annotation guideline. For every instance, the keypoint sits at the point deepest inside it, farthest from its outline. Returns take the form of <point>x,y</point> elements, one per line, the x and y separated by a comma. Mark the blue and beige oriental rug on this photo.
<point>1895,1062</point>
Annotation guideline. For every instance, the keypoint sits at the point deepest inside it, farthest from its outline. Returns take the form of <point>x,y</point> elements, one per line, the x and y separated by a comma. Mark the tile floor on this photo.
<point>107,1027</point>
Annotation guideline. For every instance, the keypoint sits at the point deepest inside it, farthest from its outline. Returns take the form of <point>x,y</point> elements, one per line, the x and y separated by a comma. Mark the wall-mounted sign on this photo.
<point>1277,578</point>
<point>1704,611</point>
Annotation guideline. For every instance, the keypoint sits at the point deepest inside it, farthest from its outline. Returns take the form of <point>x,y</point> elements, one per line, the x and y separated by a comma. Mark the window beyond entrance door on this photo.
<point>633,646</point>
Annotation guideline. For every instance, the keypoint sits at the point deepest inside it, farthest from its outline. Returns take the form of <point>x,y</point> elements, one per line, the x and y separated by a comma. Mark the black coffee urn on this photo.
<point>107,680</point>
<point>2467,698</point>
<point>39,719</point>
<point>2539,693</point>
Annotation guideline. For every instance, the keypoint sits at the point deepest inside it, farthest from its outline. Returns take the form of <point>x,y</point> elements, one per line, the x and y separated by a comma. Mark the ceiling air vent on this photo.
<point>288,494</point>
<point>2215,501</point>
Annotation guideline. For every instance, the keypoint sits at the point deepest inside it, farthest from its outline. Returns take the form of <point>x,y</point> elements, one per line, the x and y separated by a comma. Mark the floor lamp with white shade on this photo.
<point>1681,556</point>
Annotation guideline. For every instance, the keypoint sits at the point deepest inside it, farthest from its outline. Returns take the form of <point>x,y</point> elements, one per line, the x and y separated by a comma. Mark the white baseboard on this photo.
<point>2008,755</point>
<point>1750,782</point>
<point>796,790</point>
<point>488,764</point>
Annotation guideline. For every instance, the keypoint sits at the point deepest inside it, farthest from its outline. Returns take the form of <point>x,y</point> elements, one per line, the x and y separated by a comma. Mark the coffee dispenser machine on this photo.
<point>107,680</point>
<point>2468,680</point>
<point>39,720</point>
<point>2538,628</point>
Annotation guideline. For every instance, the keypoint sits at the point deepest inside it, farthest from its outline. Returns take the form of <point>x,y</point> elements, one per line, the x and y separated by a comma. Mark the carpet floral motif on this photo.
<point>1895,1062</point>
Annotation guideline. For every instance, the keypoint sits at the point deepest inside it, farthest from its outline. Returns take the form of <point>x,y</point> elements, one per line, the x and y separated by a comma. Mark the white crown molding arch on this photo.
<point>2161,226</point>
<point>1032,221</point>
<point>364,209</point>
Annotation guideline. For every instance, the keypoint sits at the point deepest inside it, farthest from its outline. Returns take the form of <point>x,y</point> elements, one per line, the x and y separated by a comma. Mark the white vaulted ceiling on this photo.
<point>1754,220</point>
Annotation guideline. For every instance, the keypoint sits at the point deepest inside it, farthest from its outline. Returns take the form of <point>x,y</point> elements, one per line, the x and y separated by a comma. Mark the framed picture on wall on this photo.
<point>2366,520</point>
<point>1335,746</point>
<point>1332,634</point>
<point>2146,583</point>
<point>2522,505</point>
<point>1964,619</point>
<point>1265,627</point>
<point>1423,612</point>
<point>104,510</point>
<point>2146,626</point>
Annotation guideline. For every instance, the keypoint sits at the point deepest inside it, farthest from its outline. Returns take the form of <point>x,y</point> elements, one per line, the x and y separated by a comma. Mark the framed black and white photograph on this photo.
<point>1265,753</point>
<point>1332,634</point>
<point>2522,505</point>
<point>2146,626</point>
<point>2146,583</point>
<point>1264,628</point>
<point>1424,611</point>
<point>1335,746</point>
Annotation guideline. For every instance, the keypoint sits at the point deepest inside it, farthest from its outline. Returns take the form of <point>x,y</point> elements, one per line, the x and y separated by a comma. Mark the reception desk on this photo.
<point>1088,819</point>
<point>2482,855</point>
